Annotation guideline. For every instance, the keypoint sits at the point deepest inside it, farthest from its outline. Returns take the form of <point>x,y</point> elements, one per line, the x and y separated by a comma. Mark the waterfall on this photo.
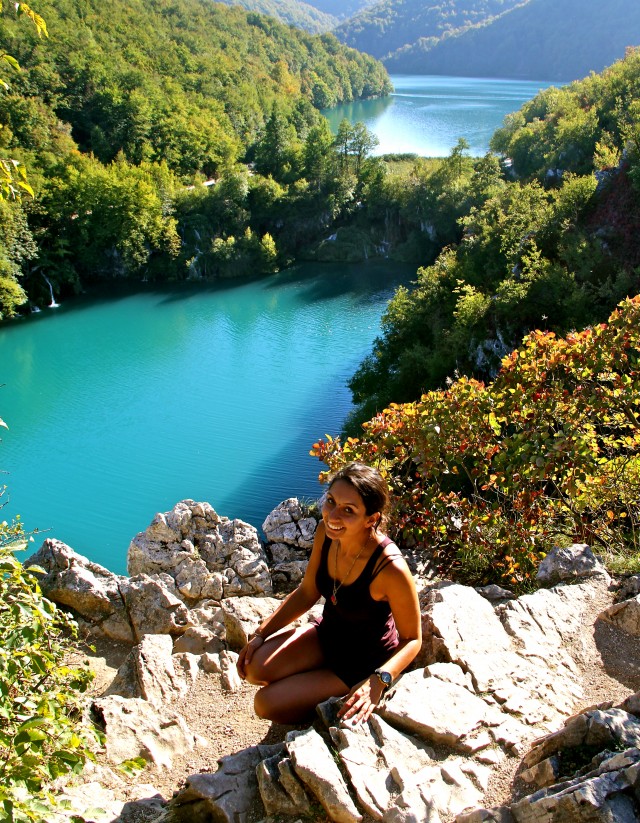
<point>53,304</point>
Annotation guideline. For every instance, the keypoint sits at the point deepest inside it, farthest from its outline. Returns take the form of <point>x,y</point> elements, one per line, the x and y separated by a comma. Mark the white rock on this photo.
<point>134,728</point>
<point>625,615</point>
<point>315,766</point>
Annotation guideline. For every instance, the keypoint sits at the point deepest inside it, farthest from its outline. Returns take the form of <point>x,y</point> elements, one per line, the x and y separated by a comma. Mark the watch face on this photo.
<point>385,677</point>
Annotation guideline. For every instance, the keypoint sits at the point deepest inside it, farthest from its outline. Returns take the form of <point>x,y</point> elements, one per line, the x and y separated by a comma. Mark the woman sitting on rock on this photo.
<point>370,627</point>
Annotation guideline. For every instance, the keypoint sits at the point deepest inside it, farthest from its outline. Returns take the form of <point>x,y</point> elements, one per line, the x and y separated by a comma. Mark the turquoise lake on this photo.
<point>120,406</point>
<point>427,115</point>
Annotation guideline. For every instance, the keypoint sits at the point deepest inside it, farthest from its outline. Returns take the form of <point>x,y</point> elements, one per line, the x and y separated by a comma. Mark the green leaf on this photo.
<point>11,61</point>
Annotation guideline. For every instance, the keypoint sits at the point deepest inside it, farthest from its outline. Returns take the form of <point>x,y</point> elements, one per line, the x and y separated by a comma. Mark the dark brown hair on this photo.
<point>370,485</point>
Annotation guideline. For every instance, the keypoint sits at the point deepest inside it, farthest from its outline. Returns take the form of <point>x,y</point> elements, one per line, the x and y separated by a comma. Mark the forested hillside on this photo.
<point>557,40</point>
<point>187,82</point>
<point>292,12</point>
<point>540,39</point>
<point>127,107</point>
<point>389,25</point>
<point>548,241</point>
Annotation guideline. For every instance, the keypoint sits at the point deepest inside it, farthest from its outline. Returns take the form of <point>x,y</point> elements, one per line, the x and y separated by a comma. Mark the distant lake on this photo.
<point>120,406</point>
<point>427,114</point>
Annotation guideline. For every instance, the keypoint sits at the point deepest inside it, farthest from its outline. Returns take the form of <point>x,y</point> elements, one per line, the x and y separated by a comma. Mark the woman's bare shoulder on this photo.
<point>391,564</point>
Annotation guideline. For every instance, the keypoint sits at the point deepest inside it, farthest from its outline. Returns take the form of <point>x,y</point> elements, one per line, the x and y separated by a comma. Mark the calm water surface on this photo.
<point>427,115</point>
<point>119,408</point>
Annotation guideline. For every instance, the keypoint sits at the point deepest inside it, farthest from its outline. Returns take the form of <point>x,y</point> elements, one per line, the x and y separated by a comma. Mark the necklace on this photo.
<point>337,586</point>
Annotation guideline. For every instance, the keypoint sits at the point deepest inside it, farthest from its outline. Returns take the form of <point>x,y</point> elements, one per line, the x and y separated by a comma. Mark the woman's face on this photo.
<point>344,513</point>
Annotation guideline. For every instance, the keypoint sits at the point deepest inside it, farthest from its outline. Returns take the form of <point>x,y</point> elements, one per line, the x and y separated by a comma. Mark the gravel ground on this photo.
<point>609,661</point>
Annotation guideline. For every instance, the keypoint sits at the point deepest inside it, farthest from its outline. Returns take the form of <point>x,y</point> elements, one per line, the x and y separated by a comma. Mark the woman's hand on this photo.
<point>359,704</point>
<point>244,658</point>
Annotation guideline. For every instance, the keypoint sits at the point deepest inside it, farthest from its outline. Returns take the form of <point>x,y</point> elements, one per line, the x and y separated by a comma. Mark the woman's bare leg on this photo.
<point>294,699</point>
<point>285,653</point>
<point>291,668</point>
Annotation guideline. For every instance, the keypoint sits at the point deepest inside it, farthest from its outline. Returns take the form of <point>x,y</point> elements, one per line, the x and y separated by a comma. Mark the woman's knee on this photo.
<point>262,705</point>
<point>256,673</point>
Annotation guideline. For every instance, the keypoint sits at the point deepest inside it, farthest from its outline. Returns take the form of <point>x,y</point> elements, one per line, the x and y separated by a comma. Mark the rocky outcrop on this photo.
<point>227,796</point>
<point>625,615</point>
<point>153,673</point>
<point>208,556</point>
<point>181,567</point>
<point>134,728</point>
<point>496,682</point>
<point>243,615</point>
<point>93,592</point>
<point>490,683</point>
<point>570,563</point>
<point>589,770</point>
<point>289,531</point>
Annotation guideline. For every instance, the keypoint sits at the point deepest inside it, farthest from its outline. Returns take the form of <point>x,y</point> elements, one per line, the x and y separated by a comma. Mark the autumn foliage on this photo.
<point>487,478</point>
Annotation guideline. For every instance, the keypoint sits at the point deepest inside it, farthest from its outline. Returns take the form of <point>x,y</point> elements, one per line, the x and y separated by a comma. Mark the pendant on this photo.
<point>334,599</point>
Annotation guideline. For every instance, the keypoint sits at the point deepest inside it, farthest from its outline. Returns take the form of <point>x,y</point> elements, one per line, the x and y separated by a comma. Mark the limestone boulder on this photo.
<point>289,530</point>
<point>134,728</point>
<point>396,776</point>
<point>624,615</point>
<point>243,615</point>
<point>199,640</point>
<point>93,592</point>
<point>440,712</point>
<point>208,556</point>
<point>281,791</point>
<point>369,753</point>
<point>437,791</point>
<point>457,622</point>
<point>629,587</point>
<point>569,564</point>
<point>149,673</point>
<point>291,523</point>
<point>610,728</point>
<point>227,795</point>
<point>154,606</point>
<point>84,800</point>
<point>314,764</point>
<point>606,794</point>
<point>589,770</point>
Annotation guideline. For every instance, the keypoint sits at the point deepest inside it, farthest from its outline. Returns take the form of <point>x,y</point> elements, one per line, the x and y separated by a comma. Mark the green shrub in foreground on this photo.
<point>43,734</point>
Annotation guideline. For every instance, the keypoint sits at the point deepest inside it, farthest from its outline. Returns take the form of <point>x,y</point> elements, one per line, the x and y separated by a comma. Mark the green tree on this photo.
<point>13,177</point>
<point>318,154</point>
<point>17,246</point>
<point>277,148</point>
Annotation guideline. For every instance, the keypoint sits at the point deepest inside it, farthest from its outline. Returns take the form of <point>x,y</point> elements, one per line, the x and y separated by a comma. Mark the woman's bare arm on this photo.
<point>292,607</point>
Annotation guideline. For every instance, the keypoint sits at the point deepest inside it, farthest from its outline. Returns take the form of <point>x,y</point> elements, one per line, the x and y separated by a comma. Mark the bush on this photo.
<point>43,733</point>
<point>487,478</point>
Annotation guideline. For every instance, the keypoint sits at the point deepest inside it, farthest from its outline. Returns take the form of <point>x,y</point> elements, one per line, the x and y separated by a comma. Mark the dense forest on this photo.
<point>390,25</point>
<point>541,39</point>
<point>539,234</point>
<point>535,39</point>
<point>125,110</point>
<point>292,12</point>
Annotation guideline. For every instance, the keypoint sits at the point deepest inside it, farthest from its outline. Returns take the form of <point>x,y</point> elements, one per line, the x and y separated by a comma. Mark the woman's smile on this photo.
<point>344,514</point>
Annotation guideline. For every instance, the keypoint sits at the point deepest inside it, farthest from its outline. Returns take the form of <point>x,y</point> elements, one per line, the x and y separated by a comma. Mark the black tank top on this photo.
<point>356,619</point>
